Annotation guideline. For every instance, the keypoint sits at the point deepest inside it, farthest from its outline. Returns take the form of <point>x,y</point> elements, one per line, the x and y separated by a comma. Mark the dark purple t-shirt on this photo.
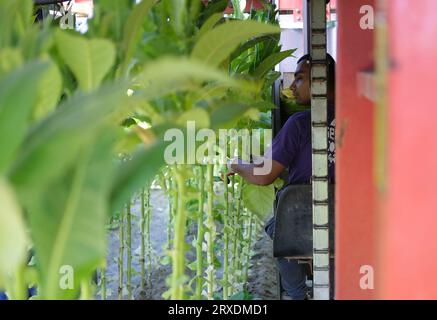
<point>292,147</point>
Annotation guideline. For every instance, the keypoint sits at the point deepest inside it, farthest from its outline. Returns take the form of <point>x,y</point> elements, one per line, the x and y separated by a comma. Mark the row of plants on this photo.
<point>81,128</point>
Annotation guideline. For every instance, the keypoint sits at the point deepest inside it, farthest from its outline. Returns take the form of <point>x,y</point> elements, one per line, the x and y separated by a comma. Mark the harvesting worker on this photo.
<point>291,149</point>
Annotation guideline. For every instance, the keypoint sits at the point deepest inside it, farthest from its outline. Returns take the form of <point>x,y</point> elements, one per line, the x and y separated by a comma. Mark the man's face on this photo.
<point>301,84</point>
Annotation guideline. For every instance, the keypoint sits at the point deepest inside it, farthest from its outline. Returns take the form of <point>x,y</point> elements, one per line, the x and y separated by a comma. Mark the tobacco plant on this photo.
<point>71,104</point>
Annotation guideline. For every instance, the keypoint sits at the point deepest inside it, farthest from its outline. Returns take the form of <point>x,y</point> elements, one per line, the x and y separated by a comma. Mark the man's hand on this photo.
<point>232,163</point>
<point>229,165</point>
<point>247,170</point>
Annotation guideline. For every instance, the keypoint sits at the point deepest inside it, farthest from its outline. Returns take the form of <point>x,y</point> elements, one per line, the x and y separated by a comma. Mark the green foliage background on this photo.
<point>71,150</point>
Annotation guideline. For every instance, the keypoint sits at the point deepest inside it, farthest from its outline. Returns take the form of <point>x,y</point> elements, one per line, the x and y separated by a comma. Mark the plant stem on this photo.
<point>200,235</point>
<point>103,283</point>
<point>231,225</point>
<point>86,291</point>
<point>237,228</point>
<point>173,209</point>
<point>143,247</point>
<point>178,253</point>
<point>226,228</point>
<point>243,243</point>
<point>149,241</point>
<point>249,237</point>
<point>18,285</point>
<point>129,250</point>
<point>166,187</point>
<point>233,187</point>
<point>210,272</point>
<point>121,256</point>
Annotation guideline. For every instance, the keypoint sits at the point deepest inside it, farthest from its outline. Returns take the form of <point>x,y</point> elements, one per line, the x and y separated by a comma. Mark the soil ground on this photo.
<point>262,272</point>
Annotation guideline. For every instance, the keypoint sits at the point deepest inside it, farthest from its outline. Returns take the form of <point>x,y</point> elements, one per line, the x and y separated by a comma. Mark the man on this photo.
<point>291,149</point>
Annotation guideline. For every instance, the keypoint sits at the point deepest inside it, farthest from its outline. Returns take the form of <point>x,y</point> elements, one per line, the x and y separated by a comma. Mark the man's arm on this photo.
<point>249,172</point>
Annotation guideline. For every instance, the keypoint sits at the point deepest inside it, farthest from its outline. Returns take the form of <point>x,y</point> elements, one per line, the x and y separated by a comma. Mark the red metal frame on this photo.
<point>408,230</point>
<point>356,194</point>
<point>392,231</point>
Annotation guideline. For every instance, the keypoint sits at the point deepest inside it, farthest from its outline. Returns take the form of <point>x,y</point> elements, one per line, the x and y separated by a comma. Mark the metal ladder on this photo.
<point>319,103</point>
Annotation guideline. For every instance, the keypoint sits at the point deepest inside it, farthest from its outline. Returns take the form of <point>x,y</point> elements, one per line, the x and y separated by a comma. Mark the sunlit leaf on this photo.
<point>227,115</point>
<point>287,93</point>
<point>132,174</point>
<point>168,75</point>
<point>199,116</point>
<point>217,44</point>
<point>13,238</point>
<point>15,20</point>
<point>270,62</point>
<point>259,199</point>
<point>60,136</point>
<point>18,94</point>
<point>214,6</point>
<point>89,59</point>
<point>68,219</point>
<point>49,93</point>
<point>252,42</point>
<point>133,29</point>
<point>10,58</point>
<point>210,23</point>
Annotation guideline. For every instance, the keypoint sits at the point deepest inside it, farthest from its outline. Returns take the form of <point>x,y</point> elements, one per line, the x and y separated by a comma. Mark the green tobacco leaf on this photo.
<point>278,183</point>
<point>192,266</point>
<point>10,58</point>
<point>199,116</point>
<point>168,75</point>
<point>252,42</point>
<point>144,108</point>
<point>18,94</point>
<point>114,14</point>
<point>15,20</point>
<point>216,45</point>
<point>264,106</point>
<point>68,220</point>
<point>242,295</point>
<point>58,139</point>
<point>177,11</point>
<point>209,92</point>
<point>270,62</point>
<point>133,29</point>
<point>259,199</point>
<point>133,174</point>
<point>89,59</point>
<point>13,238</point>
<point>213,7</point>
<point>210,23</point>
<point>126,143</point>
<point>227,115</point>
<point>49,93</point>
<point>270,78</point>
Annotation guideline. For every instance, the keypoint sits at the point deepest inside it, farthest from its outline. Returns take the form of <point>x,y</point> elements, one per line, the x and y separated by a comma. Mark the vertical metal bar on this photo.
<point>276,88</point>
<point>382,70</point>
<point>276,113</point>
<point>319,103</point>
<point>306,25</point>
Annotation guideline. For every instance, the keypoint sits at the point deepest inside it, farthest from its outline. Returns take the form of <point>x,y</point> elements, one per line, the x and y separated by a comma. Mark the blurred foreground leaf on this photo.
<point>259,199</point>
<point>89,59</point>
<point>18,94</point>
<point>13,238</point>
